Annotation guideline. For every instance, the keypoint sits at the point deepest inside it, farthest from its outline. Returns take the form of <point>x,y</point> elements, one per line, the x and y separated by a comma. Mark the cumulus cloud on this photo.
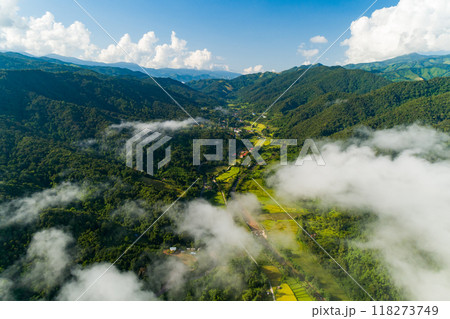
<point>114,285</point>
<point>254,69</point>
<point>318,39</point>
<point>407,190</point>
<point>410,26</point>
<point>26,210</point>
<point>44,35</point>
<point>49,258</point>
<point>146,52</point>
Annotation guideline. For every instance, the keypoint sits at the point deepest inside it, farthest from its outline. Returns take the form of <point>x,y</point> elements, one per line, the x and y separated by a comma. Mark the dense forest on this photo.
<point>260,90</point>
<point>424,102</point>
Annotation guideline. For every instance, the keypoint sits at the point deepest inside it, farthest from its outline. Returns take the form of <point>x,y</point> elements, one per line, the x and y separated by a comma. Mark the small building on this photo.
<point>173,249</point>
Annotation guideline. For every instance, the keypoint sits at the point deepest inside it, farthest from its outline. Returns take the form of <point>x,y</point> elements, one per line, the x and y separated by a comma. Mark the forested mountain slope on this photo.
<point>262,89</point>
<point>77,105</point>
<point>61,169</point>
<point>411,67</point>
<point>426,102</point>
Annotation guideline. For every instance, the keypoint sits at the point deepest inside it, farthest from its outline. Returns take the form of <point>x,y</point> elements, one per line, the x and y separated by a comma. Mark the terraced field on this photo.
<point>299,290</point>
<point>284,293</point>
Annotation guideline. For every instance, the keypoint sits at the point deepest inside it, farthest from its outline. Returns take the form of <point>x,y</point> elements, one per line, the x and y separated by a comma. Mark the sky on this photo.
<point>240,36</point>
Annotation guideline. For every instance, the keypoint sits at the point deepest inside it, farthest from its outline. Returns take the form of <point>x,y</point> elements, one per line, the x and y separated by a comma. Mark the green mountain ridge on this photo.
<point>412,67</point>
<point>53,63</point>
<point>425,102</point>
<point>29,94</point>
<point>262,89</point>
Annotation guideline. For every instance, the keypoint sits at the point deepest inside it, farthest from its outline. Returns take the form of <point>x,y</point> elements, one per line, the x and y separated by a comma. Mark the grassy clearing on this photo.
<point>228,175</point>
<point>268,205</point>
<point>287,225</point>
<point>258,141</point>
<point>284,293</point>
<point>258,128</point>
<point>187,259</point>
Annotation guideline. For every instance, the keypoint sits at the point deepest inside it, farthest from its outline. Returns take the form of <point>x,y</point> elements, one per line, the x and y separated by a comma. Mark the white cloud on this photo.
<point>215,227</point>
<point>308,53</point>
<point>40,36</point>
<point>147,53</point>
<point>410,26</point>
<point>171,125</point>
<point>5,289</point>
<point>318,39</point>
<point>43,267</point>
<point>198,59</point>
<point>25,210</point>
<point>254,69</point>
<point>44,35</point>
<point>170,274</point>
<point>414,139</point>
<point>49,258</point>
<point>114,285</point>
<point>408,192</point>
<point>8,12</point>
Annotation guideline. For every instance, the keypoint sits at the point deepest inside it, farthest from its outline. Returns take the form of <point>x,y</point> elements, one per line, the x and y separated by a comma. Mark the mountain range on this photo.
<point>323,102</point>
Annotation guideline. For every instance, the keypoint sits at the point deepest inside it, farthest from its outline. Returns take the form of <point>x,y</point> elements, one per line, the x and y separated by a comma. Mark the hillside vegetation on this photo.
<point>260,90</point>
<point>425,102</point>
<point>411,67</point>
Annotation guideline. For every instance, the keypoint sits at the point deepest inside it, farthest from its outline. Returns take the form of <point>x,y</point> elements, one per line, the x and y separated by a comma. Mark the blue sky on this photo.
<point>238,34</point>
